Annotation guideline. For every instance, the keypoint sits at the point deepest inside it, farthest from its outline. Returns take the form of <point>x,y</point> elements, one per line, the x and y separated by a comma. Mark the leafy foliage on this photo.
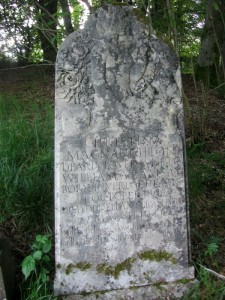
<point>35,267</point>
<point>32,30</point>
<point>38,259</point>
<point>17,29</point>
<point>77,13</point>
<point>179,21</point>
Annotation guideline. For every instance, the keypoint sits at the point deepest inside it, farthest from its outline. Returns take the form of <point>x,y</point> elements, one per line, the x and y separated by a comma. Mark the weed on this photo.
<point>35,268</point>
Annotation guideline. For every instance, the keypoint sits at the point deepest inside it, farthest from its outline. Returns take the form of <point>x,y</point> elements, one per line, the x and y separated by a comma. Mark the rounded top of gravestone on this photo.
<point>119,24</point>
<point>116,57</point>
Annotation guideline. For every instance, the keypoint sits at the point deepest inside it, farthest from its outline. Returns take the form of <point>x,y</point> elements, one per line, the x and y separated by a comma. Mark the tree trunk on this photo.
<point>161,13</point>
<point>47,22</point>
<point>66,16</point>
<point>172,26</point>
<point>208,67</point>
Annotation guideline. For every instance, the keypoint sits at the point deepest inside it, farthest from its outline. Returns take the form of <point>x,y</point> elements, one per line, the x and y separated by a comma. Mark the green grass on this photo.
<point>26,162</point>
<point>205,171</point>
<point>36,291</point>
<point>207,216</point>
<point>207,288</point>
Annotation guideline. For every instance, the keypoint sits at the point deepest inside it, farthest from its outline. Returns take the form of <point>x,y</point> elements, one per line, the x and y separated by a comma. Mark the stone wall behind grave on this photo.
<point>120,194</point>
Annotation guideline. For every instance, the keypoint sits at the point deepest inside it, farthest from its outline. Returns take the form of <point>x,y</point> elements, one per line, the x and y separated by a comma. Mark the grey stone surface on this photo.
<point>152,292</point>
<point>120,192</point>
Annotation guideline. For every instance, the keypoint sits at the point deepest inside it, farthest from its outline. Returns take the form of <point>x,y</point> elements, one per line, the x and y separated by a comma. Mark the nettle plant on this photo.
<point>37,263</point>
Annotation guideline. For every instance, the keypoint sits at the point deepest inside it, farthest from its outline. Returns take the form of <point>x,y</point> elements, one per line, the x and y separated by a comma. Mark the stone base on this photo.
<point>133,273</point>
<point>173,290</point>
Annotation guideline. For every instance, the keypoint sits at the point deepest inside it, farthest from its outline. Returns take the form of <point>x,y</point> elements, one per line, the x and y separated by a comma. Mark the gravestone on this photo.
<point>120,191</point>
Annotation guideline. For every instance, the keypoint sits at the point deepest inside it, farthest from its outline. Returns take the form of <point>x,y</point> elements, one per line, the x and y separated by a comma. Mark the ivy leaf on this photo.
<point>28,265</point>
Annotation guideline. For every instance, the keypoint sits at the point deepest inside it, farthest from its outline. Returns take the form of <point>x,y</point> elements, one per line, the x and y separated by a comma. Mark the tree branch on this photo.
<point>214,273</point>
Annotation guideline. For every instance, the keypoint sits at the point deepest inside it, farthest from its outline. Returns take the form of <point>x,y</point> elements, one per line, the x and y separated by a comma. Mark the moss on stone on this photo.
<point>165,39</point>
<point>151,255</point>
<point>58,266</point>
<point>104,268</point>
<point>69,269</point>
<point>125,265</point>
<point>140,16</point>
<point>158,256</point>
<point>98,293</point>
<point>83,265</point>
<point>85,293</point>
<point>133,287</point>
<point>159,285</point>
<point>115,271</point>
<point>184,281</point>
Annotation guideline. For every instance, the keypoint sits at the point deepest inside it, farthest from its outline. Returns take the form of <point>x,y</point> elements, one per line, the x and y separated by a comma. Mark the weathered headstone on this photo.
<point>120,191</point>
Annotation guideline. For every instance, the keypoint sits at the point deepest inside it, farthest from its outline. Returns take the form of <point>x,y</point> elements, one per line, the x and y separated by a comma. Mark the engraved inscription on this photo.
<point>101,190</point>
